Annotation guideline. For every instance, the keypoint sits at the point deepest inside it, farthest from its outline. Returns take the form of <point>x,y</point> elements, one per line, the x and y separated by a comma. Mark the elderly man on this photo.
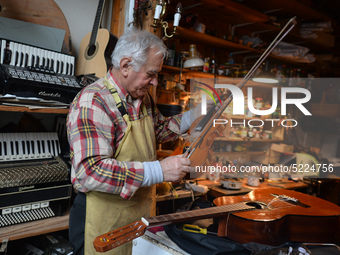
<point>113,125</point>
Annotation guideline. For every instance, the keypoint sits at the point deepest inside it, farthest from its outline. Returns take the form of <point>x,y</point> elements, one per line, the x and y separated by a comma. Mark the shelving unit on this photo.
<point>37,227</point>
<point>249,153</point>
<point>191,74</point>
<point>215,42</point>
<point>4,108</point>
<point>227,20</point>
<point>220,17</point>
<point>246,141</point>
<point>34,228</point>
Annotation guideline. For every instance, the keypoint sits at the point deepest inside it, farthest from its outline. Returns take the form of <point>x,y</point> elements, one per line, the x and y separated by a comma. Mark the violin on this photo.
<point>204,143</point>
<point>204,132</point>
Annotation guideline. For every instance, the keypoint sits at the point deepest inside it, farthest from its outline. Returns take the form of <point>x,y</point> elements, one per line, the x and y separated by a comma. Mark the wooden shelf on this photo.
<point>200,38</point>
<point>248,140</point>
<point>179,194</point>
<point>4,108</point>
<point>221,153</point>
<point>245,117</point>
<point>293,8</point>
<point>34,228</point>
<point>226,11</point>
<point>190,74</point>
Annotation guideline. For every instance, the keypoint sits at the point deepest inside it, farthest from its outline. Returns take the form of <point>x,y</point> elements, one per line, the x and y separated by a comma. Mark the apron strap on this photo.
<point>119,102</point>
<point>117,99</point>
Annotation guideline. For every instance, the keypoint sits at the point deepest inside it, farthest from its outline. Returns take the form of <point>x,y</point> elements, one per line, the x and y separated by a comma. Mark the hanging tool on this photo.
<point>139,7</point>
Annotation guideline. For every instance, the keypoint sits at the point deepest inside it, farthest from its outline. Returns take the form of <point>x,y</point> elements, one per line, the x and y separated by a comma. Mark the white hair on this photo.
<point>136,44</point>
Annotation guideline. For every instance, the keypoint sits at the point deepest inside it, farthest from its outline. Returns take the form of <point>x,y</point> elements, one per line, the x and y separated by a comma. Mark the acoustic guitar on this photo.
<point>95,48</point>
<point>268,216</point>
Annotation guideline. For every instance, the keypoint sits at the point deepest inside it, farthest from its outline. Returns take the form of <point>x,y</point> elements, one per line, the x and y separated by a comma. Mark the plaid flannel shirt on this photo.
<point>95,129</point>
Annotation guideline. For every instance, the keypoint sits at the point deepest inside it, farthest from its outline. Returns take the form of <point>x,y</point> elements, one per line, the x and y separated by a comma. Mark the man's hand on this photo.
<point>175,168</point>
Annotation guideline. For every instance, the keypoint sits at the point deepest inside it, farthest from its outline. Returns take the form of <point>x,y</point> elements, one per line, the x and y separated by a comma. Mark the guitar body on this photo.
<point>267,216</point>
<point>91,59</point>
<point>283,221</point>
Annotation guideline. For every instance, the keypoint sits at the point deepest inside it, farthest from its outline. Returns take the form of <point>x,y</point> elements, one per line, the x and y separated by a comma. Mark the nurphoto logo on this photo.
<point>239,104</point>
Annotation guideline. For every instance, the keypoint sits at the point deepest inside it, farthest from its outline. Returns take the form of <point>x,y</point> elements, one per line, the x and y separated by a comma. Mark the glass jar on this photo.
<point>244,132</point>
<point>221,70</point>
<point>268,134</point>
<point>232,132</point>
<point>251,132</point>
<point>258,103</point>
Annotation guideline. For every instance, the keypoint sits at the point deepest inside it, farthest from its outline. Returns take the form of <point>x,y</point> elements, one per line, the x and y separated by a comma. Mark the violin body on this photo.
<point>311,220</point>
<point>202,154</point>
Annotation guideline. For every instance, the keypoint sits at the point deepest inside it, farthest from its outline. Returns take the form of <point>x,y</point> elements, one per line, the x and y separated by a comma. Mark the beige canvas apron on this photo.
<point>106,212</point>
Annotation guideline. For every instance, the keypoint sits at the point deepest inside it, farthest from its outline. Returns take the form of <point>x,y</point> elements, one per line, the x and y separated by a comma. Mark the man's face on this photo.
<point>138,83</point>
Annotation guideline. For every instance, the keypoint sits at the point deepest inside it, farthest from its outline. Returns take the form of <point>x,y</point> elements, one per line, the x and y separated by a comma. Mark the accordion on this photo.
<point>34,180</point>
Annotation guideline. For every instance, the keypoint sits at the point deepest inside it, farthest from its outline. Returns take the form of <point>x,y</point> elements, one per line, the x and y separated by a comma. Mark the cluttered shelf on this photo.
<point>34,228</point>
<point>221,153</point>
<point>212,41</point>
<point>261,11</point>
<point>216,190</point>
<point>190,74</point>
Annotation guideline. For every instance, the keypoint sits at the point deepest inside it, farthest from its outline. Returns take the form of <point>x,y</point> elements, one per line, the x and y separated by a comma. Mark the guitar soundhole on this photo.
<point>256,204</point>
<point>91,50</point>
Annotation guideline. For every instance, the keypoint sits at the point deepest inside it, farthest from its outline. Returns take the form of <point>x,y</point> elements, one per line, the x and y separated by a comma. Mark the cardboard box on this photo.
<point>265,160</point>
<point>265,147</point>
<point>283,148</point>
<point>278,133</point>
<point>325,39</point>
<point>272,153</point>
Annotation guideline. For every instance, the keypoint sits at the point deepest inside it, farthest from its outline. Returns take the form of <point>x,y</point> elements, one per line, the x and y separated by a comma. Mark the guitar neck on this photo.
<point>211,212</point>
<point>129,232</point>
<point>97,22</point>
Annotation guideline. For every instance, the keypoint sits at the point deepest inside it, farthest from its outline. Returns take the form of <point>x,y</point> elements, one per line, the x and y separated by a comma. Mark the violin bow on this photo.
<point>285,30</point>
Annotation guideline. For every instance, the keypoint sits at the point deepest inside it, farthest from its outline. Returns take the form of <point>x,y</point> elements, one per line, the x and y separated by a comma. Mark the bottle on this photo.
<point>227,70</point>
<point>206,65</point>
<point>278,75</point>
<point>284,75</point>
<point>290,77</point>
<point>231,62</point>
<point>221,70</point>
<point>298,76</point>
<point>213,62</point>
<point>171,56</point>
<point>274,70</point>
<point>231,59</point>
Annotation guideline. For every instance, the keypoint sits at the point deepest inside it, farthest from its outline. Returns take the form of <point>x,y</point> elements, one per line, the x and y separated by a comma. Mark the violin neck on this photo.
<point>205,119</point>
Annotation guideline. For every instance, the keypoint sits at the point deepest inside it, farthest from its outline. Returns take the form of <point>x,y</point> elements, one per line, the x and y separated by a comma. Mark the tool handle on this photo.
<point>194,229</point>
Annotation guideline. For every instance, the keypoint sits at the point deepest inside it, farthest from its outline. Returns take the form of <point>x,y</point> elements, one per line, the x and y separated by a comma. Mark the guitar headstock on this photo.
<point>119,236</point>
